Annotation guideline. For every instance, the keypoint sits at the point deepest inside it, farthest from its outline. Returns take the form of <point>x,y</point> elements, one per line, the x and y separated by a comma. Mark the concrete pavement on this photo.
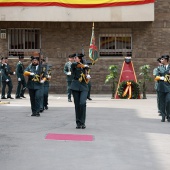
<point>128,135</point>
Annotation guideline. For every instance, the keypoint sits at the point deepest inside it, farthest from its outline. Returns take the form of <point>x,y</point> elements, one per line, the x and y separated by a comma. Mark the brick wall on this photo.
<point>150,40</point>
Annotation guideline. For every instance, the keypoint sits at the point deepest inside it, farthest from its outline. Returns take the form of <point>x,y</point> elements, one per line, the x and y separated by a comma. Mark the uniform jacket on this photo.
<point>33,81</point>
<point>163,86</point>
<point>76,84</point>
<point>67,68</point>
<point>6,72</point>
<point>20,70</point>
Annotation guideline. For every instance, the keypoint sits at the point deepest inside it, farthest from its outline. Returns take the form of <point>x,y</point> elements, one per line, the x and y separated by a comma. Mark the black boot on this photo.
<point>163,119</point>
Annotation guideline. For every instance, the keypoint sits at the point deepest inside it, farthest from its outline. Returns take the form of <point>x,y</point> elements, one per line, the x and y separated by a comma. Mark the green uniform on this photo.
<point>164,92</point>
<point>21,80</point>
<point>89,90</point>
<point>6,80</point>
<point>69,78</point>
<point>35,87</point>
<point>79,90</point>
<point>46,88</point>
<point>155,72</point>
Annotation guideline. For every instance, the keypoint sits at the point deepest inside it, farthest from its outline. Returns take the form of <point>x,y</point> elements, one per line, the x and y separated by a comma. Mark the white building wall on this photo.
<point>108,14</point>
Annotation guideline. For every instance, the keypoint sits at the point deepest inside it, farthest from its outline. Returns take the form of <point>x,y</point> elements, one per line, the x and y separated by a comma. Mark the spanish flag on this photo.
<point>74,3</point>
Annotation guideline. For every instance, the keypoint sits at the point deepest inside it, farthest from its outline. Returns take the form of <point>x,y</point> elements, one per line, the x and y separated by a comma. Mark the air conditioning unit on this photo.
<point>3,33</point>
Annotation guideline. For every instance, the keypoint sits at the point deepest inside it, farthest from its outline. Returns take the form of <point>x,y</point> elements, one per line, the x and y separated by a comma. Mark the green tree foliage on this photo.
<point>111,78</point>
<point>145,74</point>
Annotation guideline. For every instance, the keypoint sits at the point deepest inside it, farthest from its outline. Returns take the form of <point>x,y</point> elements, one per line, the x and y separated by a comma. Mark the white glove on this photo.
<point>32,74</point>
<point>69,73</point>
<point>88,76</point>
<point>162,78</point>
<point>19,79</point>
<point>7,80</point>
<point>14,73</point>
<point>49,76</point>
<point>85,65</point>
<point>42,81</point>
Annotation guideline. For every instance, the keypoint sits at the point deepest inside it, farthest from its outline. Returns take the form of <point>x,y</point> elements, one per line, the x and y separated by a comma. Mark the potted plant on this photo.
<point>144,73</point>
<point>111,78</point>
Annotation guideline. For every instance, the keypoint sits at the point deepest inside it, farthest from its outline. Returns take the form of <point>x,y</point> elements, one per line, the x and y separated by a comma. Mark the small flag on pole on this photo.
<point>93,53</point>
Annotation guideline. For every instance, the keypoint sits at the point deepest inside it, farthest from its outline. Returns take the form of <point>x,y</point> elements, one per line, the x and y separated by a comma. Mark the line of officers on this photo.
<point>162,86</point>
<point>39,76</point>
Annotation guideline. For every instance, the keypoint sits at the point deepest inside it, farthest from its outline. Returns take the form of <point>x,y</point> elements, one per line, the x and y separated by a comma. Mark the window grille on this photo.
<point>23,41</point>
<point>114,45</point>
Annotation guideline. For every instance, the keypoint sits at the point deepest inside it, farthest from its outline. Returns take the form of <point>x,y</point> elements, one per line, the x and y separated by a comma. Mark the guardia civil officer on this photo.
<point>6,78</point>
<point>155,72</point>
<point>69,76</point>
<point>47,71</point>
<point>34,84</point>
<point>80,89</point>
<point>164,87</point>
<point>21,87</point>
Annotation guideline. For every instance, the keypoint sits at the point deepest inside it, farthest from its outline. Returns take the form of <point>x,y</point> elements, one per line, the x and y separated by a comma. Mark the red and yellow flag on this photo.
<point>74,3</point>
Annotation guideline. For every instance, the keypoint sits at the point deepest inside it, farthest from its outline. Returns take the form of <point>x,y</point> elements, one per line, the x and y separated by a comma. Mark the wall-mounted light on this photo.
<point>3,33</point>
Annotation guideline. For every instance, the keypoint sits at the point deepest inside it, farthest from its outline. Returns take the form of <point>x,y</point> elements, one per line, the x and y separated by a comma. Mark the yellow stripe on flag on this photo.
<point>76,1</point>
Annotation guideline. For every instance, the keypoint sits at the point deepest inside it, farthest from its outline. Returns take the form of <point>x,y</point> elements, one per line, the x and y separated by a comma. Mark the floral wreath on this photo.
<point>129,90</point>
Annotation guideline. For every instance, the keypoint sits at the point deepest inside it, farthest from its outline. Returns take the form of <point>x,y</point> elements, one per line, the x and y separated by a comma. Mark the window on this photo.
<point>115,45</point>
<point>23,41</point>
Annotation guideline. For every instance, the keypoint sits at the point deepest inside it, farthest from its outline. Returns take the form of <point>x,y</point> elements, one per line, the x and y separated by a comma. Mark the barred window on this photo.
<point>115,45</point>
<point>23,41</point>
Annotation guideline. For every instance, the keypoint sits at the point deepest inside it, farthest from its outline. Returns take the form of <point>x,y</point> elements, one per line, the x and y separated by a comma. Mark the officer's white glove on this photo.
<point>88,76</point>
<point>7,80</point>
<point>32,74</point>
<point>162,78</point>
<point>42,81</point>
<point>85,65</point>
<point>48,76</point>
<point>19,79</point>
<point>14,73</point>
<point>69,73</point>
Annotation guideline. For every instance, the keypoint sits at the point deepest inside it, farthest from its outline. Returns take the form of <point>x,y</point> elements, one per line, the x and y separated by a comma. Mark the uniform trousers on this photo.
<point>20,91</point>
<point>80,98</point>
<point>46,89</point>
<point>68,89</point>
<point>35,96</point>
<point>164,103</point>
<point>10,86</point>
<point>42,97</point>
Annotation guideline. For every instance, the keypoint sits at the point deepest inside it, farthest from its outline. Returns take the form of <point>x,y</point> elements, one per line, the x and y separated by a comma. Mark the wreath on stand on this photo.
<point>129,90</point>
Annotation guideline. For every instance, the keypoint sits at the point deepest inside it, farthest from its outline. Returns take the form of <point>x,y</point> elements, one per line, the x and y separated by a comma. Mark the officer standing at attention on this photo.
<point>155,72</point>
<point>34,84</point>
<point>21,79</point>
<point>164,87</point>
<point>46,87</point>
<point>6,78</point>
<point>79,89</point>
<point>67,71</point>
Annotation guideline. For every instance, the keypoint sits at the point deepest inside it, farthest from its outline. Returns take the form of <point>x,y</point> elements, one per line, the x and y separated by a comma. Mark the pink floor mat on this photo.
<point>69,137</point>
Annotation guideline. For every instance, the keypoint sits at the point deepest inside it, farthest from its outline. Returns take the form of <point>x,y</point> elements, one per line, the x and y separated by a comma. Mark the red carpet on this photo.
<point>70,137</point>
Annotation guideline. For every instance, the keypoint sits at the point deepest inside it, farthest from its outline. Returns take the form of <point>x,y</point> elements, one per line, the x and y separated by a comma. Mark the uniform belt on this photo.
<point>76,78</point>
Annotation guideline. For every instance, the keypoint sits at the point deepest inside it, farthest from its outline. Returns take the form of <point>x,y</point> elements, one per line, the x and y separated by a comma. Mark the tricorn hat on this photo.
<point>165,57</point>
<point>72,55</point>
<point>159,59</point>
<point>80,55</point>
<point>34,57</point>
